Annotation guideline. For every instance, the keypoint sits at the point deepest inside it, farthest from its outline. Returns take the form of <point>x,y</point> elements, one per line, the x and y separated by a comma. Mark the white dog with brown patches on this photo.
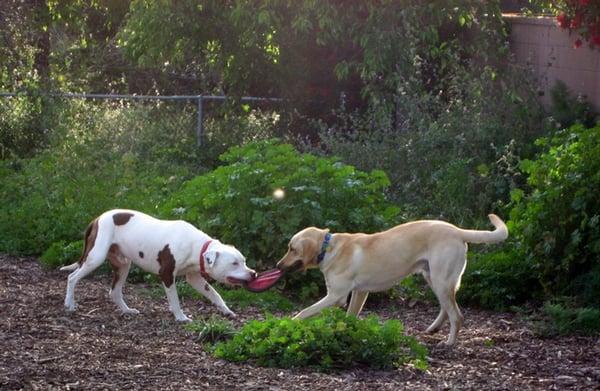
<point>166,248</point>
<point>361,263</point>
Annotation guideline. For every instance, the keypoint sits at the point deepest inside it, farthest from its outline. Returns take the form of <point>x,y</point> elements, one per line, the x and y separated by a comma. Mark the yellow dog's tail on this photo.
<point>495,236</point>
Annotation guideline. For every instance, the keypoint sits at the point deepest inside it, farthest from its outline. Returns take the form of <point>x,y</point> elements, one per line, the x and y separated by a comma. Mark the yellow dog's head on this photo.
<point>303,250</point>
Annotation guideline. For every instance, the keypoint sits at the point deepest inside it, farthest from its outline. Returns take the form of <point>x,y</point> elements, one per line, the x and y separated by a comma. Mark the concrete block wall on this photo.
<point>539,43</point>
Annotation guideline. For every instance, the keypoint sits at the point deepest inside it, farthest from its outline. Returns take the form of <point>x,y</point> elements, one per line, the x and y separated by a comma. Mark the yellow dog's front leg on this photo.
<point>334,297</point>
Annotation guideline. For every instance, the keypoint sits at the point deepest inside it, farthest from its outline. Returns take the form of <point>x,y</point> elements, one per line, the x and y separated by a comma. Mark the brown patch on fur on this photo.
<point>141,254</point>
<point>167,266</point>
<point>206,288</point>
<point>122,218</point>
<point>90,239</point>
<point>114,258</point>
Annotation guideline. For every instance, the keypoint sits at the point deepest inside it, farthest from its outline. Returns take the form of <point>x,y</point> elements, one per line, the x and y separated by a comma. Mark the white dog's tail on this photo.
<point>88,243</point>
<point>495,236</point>
<point>70,267</point>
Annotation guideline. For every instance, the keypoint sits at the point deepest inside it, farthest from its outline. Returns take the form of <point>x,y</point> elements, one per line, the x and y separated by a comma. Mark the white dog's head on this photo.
<point>226,264</point>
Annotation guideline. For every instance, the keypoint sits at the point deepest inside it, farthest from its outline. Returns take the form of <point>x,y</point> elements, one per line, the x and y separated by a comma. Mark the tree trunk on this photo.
<point>41,16</point>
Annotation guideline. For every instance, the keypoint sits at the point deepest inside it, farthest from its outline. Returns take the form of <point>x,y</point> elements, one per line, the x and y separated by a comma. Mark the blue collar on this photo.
<point>324,247</point>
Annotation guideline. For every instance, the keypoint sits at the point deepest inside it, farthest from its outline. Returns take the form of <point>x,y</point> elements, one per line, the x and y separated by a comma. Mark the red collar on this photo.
<point>203,272</point>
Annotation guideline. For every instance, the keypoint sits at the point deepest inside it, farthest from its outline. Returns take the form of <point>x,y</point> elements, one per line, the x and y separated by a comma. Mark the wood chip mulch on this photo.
<point>96,348</point>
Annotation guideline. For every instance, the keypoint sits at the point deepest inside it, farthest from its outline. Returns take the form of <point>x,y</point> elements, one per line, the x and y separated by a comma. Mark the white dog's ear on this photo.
<point>211,258</point>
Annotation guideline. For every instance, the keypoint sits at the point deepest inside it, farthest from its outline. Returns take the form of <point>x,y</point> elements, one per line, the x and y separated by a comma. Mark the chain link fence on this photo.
<point>28,121</point>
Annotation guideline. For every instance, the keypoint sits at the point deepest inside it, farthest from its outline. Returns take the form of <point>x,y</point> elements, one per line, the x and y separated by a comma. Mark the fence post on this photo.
<point>200,123</point>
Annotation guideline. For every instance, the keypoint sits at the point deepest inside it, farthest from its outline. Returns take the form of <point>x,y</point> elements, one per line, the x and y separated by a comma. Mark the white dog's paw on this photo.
<point>228,312</point>
<point>183,318</point>
<point>131,311</point>
<point>70,307</point>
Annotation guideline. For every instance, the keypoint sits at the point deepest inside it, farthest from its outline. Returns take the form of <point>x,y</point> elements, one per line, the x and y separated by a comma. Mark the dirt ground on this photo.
<point>43,347</point>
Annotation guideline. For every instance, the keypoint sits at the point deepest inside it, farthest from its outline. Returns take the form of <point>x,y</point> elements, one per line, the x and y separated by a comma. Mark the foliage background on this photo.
<point>425,91</point>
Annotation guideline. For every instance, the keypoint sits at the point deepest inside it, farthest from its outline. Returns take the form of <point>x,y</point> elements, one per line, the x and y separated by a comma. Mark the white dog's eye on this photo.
<point>236,264</point>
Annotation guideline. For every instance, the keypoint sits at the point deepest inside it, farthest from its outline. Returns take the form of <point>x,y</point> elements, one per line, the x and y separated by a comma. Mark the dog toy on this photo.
<point>264,280</point>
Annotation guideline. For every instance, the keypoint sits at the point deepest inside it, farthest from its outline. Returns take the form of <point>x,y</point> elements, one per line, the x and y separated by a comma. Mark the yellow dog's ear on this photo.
<point>310,248</point>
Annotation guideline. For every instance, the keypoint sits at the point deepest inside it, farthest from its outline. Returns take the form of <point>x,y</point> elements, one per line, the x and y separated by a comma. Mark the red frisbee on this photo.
<point>264,281</point>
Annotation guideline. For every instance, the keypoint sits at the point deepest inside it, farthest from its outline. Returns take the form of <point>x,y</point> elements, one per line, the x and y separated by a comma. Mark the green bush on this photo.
<point>459,166</point>
<point>61,253</point>
<point>220,134</point>
<point>498,280</point>
<point>235,202</point>
<point>558,219</point>
<point>567,109</point>
<point>51,198</point>
<point>24,124</point>
<point>329,341</point>
<point>101,157</point>
<point>447,122</point>
<point>562,319</point>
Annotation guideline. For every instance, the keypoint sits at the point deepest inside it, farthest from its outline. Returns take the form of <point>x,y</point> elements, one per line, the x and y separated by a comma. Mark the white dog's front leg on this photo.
<point>202,286</point>
<point>327,301</point>
<point>174,303</point>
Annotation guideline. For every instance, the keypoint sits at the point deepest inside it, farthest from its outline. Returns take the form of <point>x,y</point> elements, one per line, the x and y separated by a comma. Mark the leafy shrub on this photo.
<point>458,165</point>
<point>101,157</point>
<point>221,134</point>
<point>558,219</point>
<point>61,253</point>
<point>588,286</point>
<point>212,330</point>
<point>449,114</point>
<point>568,110</point>
<point>562,319</point>
<point>331,340</point>
<point>52,198</point>
<point>235,202</point>
<point>24,124</point>
<point>498,280</point>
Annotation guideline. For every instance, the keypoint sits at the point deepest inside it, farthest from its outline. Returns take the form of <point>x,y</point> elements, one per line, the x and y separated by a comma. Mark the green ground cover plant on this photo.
<point>211,330</point>
<point>329,341</point>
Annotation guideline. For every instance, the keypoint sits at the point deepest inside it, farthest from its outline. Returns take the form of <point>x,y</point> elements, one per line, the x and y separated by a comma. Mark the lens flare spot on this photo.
<point>278,194</point>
